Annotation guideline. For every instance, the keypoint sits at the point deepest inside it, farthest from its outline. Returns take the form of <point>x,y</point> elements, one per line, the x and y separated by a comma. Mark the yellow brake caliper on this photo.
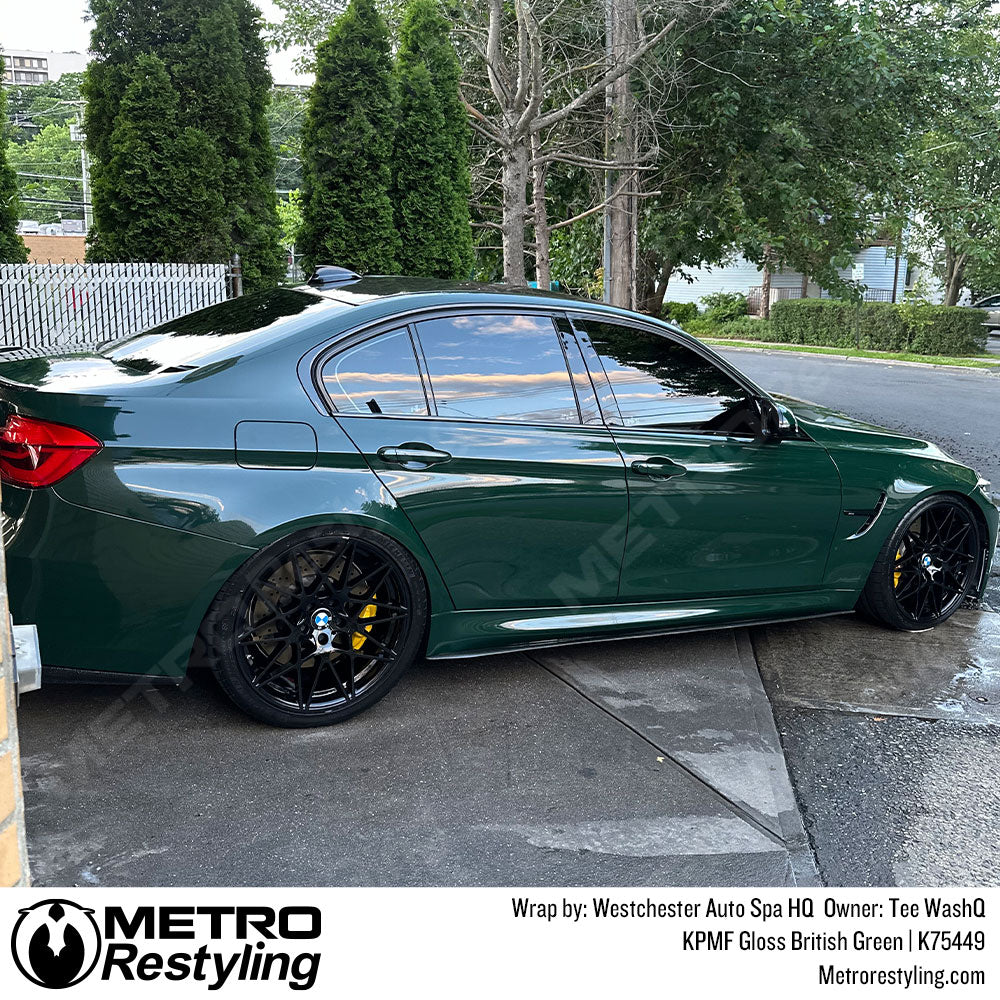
<point>369,611</point>
<point>896,575</point>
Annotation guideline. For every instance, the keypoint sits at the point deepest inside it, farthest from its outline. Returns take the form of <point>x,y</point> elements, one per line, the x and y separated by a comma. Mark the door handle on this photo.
<point>412,455</point>
<point>658,468</point>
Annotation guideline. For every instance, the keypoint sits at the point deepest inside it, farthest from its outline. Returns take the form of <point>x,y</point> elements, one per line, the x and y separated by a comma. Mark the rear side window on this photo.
<point>659,382</point>
<point>498,367</point>
<point>378,376</point>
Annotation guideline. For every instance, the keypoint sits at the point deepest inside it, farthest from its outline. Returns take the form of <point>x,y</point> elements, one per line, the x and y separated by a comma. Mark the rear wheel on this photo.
<point>926,568</point>
<point>318,627</point>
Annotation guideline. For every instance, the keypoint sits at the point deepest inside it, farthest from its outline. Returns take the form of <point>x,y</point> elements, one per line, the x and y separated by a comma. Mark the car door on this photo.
<point>473,423</point>
<point>715,509</point>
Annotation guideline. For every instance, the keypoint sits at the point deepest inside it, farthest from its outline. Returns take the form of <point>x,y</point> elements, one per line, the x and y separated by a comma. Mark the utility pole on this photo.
<point>77,134</point>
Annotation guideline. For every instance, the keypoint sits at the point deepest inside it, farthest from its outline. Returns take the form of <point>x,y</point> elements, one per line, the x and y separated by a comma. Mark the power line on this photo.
<point>49,177</point>
<point>52,201</point>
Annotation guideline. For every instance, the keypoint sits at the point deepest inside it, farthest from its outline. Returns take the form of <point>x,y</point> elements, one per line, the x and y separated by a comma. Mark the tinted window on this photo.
<point>227,329</point>
<point>498,368</point>
<point>378,376</point>
<point>658,382</point>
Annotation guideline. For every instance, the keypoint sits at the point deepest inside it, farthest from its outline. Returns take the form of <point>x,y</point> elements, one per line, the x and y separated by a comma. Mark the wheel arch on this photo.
<point>439,599</point>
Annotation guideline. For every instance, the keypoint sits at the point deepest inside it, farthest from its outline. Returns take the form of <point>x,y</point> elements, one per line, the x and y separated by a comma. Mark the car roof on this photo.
<point>371,287</point>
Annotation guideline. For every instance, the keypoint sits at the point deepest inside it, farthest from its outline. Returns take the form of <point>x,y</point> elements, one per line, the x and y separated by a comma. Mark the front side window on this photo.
<point>498,367</point>
<point>378,376</point>
<point>658,382</point>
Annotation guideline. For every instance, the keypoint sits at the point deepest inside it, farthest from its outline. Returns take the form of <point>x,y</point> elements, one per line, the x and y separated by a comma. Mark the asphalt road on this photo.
<point>957,410</point>
<point>894,789</point>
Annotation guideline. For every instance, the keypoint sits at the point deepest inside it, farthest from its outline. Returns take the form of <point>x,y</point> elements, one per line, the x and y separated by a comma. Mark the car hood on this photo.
<point>833,429</point>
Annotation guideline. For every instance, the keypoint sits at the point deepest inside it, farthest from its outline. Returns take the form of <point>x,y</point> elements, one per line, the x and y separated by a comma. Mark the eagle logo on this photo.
<point>56,943</point>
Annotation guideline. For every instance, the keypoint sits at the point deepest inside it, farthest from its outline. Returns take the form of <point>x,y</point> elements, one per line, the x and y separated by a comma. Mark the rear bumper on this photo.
<point>109,593</point>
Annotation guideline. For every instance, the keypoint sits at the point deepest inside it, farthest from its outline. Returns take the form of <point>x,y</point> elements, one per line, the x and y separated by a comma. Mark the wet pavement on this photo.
<point>891,740</point>
<point>848,664</point>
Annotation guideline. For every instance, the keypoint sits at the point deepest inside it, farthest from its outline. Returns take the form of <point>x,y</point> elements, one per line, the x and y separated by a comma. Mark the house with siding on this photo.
<point>874,266</point>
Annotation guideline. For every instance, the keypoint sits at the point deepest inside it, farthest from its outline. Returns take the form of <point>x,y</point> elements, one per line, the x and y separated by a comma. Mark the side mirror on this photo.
<point>774,425</point>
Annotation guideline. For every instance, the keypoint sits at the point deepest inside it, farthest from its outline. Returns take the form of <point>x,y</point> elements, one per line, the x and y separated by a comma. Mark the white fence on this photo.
<point>60,306</point>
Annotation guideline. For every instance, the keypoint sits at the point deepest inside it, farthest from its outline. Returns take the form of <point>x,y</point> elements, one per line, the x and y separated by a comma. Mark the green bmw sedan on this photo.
<point>308,489</point>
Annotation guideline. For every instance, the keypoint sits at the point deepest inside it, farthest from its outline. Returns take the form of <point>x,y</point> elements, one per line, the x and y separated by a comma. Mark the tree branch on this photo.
<point>616,72</point>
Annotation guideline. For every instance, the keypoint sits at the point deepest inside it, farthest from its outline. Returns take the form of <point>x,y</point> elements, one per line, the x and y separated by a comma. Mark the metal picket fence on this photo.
<point>61,306</point>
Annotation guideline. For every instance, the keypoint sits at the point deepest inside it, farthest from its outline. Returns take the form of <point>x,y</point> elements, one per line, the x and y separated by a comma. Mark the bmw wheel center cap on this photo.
<point>321,619</point>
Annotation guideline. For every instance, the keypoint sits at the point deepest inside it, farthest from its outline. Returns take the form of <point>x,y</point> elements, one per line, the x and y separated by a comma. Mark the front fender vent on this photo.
<point>872,516</point>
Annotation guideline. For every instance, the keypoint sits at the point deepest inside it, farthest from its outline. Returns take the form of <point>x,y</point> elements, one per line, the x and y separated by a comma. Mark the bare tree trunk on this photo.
<point>515,207</point>
<point>765,286</point>
<point>621,210</point>
<point>543,270</point>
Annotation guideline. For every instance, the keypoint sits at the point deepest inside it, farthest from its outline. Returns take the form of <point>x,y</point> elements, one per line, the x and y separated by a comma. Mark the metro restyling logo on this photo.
<point>57,943</point>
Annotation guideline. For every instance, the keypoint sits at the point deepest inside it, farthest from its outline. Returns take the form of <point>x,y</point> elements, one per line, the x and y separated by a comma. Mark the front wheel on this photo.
<point>926,568</point>
<point>317,627</point>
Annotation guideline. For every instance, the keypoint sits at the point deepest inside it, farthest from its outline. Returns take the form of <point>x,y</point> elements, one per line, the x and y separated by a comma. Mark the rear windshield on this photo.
<point>189,339</point>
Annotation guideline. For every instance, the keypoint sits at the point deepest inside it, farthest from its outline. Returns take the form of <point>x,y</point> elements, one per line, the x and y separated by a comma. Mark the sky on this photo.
<point>59,26</point>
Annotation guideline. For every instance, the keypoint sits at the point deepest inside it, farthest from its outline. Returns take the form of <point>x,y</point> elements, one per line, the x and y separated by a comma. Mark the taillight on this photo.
<point>36,453</point>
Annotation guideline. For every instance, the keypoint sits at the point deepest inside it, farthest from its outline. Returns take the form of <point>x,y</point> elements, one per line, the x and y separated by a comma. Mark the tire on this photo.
<point>927,566</point>
<point>317,627</point>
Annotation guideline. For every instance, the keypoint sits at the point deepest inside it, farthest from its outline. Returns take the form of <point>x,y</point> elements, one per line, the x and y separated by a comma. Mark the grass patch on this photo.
<point>852,352</point>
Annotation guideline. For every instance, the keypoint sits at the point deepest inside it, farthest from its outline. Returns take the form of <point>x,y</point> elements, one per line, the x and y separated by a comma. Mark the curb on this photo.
<point>801,857</point>
<point>992,372</point>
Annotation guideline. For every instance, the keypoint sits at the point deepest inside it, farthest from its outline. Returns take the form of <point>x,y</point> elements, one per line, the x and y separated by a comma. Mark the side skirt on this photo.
<point>460,634</point>
<point>74,675</point>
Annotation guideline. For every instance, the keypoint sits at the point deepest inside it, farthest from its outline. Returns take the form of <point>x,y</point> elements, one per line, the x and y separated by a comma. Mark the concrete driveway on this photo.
<point>646,762</point>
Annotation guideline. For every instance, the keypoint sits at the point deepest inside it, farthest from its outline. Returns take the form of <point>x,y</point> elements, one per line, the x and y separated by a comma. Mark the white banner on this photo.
<point>499,942</point>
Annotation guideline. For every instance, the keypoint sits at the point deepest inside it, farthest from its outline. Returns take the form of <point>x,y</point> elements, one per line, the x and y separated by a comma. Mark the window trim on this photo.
<point>311,364</point>
<point>354,343</point>
<point>604,390</point>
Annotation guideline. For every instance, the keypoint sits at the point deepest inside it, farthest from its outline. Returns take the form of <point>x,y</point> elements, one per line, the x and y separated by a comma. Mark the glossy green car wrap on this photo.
<point>218,441</point>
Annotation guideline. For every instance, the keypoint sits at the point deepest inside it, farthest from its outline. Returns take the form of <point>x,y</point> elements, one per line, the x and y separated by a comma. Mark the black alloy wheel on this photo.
<point>319,627</point>
<point>927,567</point>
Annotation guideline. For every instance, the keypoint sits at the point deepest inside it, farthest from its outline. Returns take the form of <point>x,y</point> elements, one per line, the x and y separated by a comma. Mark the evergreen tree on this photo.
<point>11,246</point>
<point>213,54</point>
<point>347,146</point>
<point>423,196</point>
<point>157,198</point>
<point>258,228</point>
<point>424,40</point>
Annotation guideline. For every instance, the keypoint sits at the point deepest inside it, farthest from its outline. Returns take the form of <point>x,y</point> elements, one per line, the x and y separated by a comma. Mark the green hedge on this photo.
<point>679,312</point>
<point>879,326</point>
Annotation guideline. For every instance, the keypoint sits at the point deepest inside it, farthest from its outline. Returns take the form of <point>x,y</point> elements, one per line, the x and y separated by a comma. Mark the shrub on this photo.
<point>679,312</point>
<point>723,306</point>
<point>879,326</point>
<point>744,328</point>
<point>700,327</point>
